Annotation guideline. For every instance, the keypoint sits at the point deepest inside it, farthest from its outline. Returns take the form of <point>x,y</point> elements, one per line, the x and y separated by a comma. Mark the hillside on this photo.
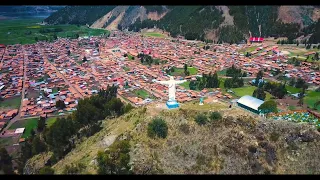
<point>216,23</point>
<point>237,144</point>
<point>80,15</point>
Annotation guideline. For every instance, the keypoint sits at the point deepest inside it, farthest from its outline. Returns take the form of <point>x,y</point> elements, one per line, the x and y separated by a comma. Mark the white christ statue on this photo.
<point>172,87</point>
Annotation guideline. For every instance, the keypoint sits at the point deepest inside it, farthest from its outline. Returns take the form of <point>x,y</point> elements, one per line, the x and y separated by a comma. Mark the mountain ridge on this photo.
<point>196,22</point>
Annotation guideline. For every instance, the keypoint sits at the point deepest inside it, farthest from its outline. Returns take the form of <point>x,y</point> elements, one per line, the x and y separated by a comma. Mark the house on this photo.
<point>256,39</point>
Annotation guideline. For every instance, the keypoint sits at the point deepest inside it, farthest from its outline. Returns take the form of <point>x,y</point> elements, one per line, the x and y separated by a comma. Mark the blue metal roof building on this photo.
<point>250,103</point>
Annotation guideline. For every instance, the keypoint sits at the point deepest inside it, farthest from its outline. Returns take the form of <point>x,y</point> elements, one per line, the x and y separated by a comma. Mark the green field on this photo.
<point>249,49</point>
<point>126,68</point>
<point>153,34</point>
<point>25,31</point>
<point>222,73</point>
<point>130,57</point>
<point>29,124</point>
<point>54,90</point>
<point>311,98</point>
<point>185,85</point>
<point>248,90</point>
<point>50,121</point>
<point>11,103</point>
<point>180,71</point>
<point>142,93</point>
<point>293,90</point>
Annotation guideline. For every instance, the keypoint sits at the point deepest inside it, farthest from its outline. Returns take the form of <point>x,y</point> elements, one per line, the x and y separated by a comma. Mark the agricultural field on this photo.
<point>249,49</point>
<point>141,93</point>
<point>154,34</point>
<point>29,124</point>
<point>293,90</point>
<point>180,71</point>
<point>311,98</point>
<point>126,68</point>
<point>13,103</point>
<point>248,90</point>
<point>27,31</point>
<point>185,85</point>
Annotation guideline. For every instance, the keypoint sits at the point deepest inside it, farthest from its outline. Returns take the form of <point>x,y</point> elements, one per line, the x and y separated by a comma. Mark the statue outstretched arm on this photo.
<point>180,82</point>
<point>163,82</point>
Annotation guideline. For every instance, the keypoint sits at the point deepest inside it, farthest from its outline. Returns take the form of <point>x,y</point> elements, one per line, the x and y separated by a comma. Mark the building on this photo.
<point>250,103</point>
<point>256,39</point>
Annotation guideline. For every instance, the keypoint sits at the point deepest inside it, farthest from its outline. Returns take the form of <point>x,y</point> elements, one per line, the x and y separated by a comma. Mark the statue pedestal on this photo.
<point>171,104</point>
<point>201,104</point>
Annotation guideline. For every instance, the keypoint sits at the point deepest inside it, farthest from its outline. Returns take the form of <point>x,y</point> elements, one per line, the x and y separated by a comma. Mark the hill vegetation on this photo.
<point>196,22</point>
<point>227,143</point>
<point>78,15</point>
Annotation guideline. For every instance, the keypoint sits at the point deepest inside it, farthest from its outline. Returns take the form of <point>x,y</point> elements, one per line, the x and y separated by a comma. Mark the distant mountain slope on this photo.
<point>78,14</point>
<point>28,11</point>
<point>218,23</point>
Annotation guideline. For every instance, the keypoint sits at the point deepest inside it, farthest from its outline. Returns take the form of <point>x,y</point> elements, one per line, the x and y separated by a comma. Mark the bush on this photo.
<point>201,119</point>
<point>158,127</point>
<point>46,170</point>
<point>215,116</point>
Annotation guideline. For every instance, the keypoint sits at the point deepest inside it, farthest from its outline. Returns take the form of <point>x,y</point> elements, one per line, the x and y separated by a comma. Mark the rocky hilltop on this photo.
<point>239,143</point>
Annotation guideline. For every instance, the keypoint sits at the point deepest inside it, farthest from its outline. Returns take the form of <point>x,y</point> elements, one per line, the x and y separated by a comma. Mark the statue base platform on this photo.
<point>200,104</point>
<point>172,104</point>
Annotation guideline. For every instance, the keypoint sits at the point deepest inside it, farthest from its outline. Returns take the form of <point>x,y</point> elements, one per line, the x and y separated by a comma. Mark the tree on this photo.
<point>301,95</point>
<point>84,59</point>
<point>316,56</point>
<point>127,108</point>
<point>46,170</point>
<point>37,146</point>
<point>73,169</point>
<point>215,79</point>
<point>215,116</point>
<point>55,36</point>
<point>69,52</point>
<point>60,104</point>
<point>258,77</point>
<point>316,104</point>
<point>41,124</point>
<point>268,107</point>
<point>115,160</point>
<point>36,39</point>
<point>297,43</point>
<point>300,82</point>
<point>244,74</point>
<point>193,85</point>
<point>292,81</point>
<point>201,119</point>
<point>185,67</point>
<point>259,93</point>
<point>157,128</point>
<point>5,161</point>
<point>247,54</point>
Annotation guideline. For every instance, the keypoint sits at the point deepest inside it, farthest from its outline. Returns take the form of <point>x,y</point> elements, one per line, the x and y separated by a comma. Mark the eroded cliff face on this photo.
<point>303,15</point>
<point>124,16</point>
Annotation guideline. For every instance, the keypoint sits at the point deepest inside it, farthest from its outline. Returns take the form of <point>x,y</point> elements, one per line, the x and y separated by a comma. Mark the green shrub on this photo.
<point>201,119</point>
<point>157,128</point>
<point>46,170</point>
<point>215,116</point>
